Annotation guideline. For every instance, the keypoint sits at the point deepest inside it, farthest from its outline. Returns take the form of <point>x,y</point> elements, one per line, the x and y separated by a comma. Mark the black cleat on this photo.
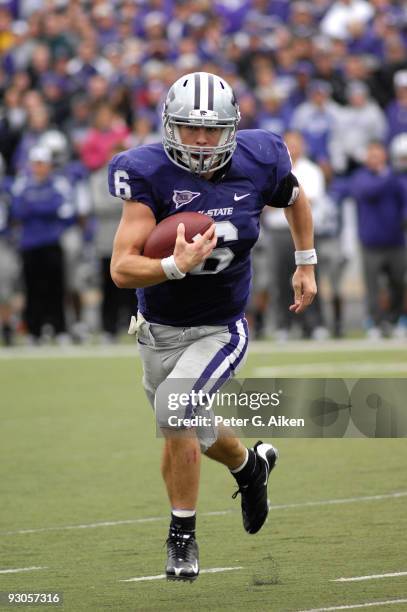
<point>254,494</point>
<point>183,556</point>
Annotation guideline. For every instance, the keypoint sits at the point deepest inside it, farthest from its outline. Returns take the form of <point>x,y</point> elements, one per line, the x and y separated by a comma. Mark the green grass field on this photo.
<point>78,449</point>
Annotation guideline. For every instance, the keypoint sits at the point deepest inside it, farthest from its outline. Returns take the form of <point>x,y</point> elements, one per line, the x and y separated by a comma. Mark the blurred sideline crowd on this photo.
<point>84,79</point>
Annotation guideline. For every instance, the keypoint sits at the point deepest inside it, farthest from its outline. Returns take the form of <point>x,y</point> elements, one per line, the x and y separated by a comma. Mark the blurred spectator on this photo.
<point>381,202</point>
<point>398,151</point>
<point>262,282</point>
<point>397,110</point>
<point>25,43</point>
<point>55,98</point>
<point>354,68</point>
<point>105,23</point>
<point>32,101</point>
<point>97,89</point>
<point>302,18</point>
<point>286,63</point>
<point>21,81</point>
<point>357,124</point>
<point>40,202</point>
<point>77,124</point>
<point>304,71</point>
<point>316,119</point>
<point>108,130</point>
<point>121,102</point>
<point>144,131</point>
<point>86,64</point>
<point>282,248</point>
<point>77,230</point>
<point>59,39</point>
<point>232,13</point>
<point>248,111</point>
<point>364,39</point>
<point>274,114</point>
<point>117,304</point>
<point>342,14</point>
<point>40,65</point>
<point>12,122</point>
<point>8,262</point>
<point>331,260</point>
<point>7,36</point>
<point>38,124</point>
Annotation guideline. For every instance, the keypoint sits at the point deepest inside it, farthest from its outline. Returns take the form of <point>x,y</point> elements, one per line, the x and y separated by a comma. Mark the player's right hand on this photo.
<point>188,255</point>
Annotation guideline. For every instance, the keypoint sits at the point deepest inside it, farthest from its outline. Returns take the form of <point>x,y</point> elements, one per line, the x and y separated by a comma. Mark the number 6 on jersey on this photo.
<point>122,188</point>
<point>220,258</point>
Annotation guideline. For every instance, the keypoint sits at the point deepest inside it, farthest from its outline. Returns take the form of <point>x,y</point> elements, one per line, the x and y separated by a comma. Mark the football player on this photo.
<point>191,323</point>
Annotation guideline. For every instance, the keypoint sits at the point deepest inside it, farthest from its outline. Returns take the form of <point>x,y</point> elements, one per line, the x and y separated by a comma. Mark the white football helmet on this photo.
<point>398,152</point>
<point>200,98</point>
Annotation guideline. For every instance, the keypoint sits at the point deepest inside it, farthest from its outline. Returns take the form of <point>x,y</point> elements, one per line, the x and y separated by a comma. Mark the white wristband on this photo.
<point>306,258</point>
<point>171,270</point>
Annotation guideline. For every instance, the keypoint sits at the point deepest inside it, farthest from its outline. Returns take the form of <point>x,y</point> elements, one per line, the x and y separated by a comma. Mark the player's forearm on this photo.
<point>136,271</point>
<point>299,217</point>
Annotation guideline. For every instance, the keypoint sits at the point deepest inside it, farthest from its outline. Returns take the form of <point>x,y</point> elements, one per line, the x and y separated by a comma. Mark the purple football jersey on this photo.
<point>216,291</point>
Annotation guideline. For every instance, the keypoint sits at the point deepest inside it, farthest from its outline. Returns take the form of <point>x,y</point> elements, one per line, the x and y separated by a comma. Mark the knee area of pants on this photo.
<point>166,418</point>
<point>169,412</point>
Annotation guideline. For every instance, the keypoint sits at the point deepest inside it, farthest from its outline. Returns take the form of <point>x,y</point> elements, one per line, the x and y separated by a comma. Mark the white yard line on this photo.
<point>371,577</point>
<point>369,604</point>
<point>21,569</point>
<point>255,347</point>
<point>151,519</point>
<point>71,352</point>
<point>211,570</point>
<point>334,368</point>
<point>328,346</point>
<point>343,500</point>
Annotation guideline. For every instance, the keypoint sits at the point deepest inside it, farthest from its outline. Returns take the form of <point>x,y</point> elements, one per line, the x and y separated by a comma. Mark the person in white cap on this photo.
<point>41,201</point>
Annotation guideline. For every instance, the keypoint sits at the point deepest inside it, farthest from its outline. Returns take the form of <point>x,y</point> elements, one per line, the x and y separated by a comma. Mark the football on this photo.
<point>161,241</point>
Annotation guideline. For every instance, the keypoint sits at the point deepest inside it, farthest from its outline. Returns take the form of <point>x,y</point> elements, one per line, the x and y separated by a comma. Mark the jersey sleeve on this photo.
<point>277,189</point>
<point>127,182</point>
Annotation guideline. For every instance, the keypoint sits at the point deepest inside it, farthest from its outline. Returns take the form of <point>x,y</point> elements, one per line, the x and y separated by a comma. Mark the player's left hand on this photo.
<point>305,288</point>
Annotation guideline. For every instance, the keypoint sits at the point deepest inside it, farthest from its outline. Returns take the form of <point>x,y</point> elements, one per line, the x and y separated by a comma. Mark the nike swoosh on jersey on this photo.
<point>237,198</point>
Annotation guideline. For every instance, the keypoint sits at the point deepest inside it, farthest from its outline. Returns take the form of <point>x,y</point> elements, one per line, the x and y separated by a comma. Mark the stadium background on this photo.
<point>85,79</point>
<point>82,505</point>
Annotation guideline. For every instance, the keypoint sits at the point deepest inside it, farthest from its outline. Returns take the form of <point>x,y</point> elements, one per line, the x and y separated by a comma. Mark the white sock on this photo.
<point>183,513</point>
<point>238,469</point>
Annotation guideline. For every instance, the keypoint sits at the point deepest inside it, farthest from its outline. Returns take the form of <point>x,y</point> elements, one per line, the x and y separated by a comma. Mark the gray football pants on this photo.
<point>183,359</point>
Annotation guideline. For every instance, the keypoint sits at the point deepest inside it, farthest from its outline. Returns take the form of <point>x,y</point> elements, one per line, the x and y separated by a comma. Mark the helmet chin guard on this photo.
<point>200,99</point>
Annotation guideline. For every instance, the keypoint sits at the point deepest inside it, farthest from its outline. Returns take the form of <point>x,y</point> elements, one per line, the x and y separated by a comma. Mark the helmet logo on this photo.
<point>204,113</point>
<point>180,198</point>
